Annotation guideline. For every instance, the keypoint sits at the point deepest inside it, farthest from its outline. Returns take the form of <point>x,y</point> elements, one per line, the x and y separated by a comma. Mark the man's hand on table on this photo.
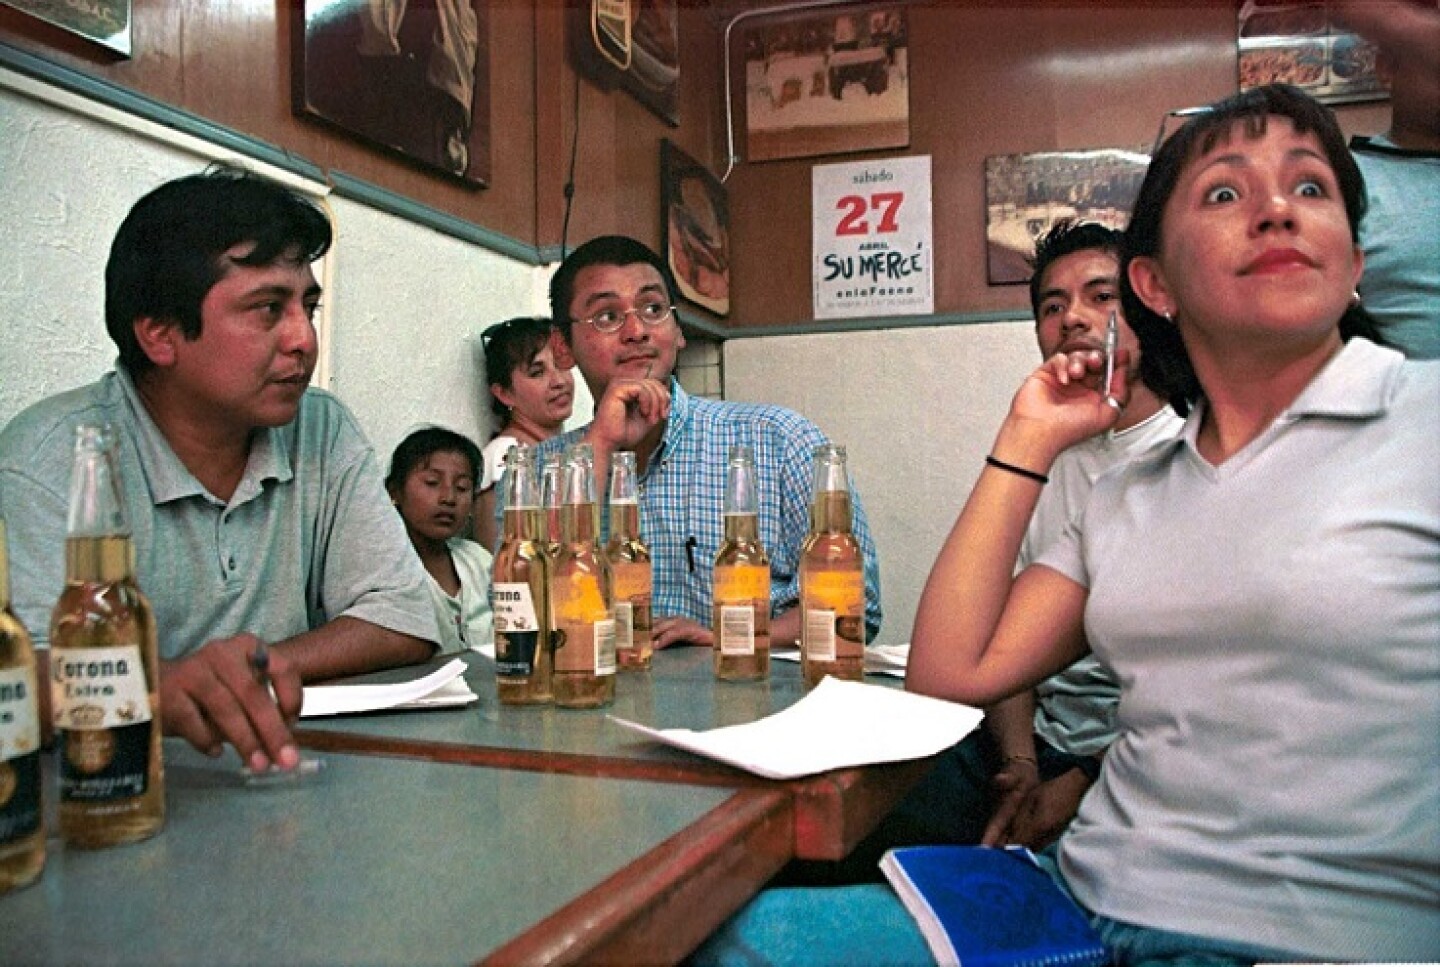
<point>674,630</point>
<point>216,695</point>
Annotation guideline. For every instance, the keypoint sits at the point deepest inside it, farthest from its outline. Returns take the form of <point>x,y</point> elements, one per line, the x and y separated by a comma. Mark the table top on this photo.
<point>834,809</point>
<point>378,860</point>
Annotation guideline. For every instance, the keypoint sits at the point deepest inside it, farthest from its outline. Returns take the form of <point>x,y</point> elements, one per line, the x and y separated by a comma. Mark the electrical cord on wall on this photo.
<point>570,175</point>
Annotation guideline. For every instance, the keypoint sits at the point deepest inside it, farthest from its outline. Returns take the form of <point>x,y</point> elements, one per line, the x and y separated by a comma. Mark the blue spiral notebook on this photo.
<point>981,906</point>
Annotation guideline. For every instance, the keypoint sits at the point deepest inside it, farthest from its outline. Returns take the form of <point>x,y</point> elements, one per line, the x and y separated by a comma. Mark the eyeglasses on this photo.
<point>491,332</point>
<point>610,320</point>
<point>540,327</point>
<point>1184,112</point>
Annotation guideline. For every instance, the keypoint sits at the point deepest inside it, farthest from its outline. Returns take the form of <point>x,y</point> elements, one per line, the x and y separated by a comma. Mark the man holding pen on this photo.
<point>262,533</point>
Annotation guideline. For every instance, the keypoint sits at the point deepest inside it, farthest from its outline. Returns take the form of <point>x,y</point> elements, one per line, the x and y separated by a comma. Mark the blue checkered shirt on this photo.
<point>682,495</point>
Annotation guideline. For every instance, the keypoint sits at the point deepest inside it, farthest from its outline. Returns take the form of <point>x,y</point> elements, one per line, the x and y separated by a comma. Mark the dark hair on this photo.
<point>617,250</point>
<point>1066,237</point>
<point>1164,363</point>
<point>507,345</point>
<point>169,251</point>
<point>418,446</point>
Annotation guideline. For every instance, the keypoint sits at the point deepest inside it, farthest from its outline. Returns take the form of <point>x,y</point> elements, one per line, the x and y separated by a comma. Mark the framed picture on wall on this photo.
<point>630,44</point>
<point>1025,194</point>
<point>1298,43</point>
<point>411,78</point>
<point>106,22</point>
<point>827,83</point>
<point>697,229</point>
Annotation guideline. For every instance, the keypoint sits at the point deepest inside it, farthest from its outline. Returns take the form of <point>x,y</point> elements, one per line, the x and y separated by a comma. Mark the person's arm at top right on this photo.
<point>980,636</point>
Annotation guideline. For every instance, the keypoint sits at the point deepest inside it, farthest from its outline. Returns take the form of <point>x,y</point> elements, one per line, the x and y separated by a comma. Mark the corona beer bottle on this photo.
<point>580,593</point>
<point>518,589</point>
<point>832,578</point>
<point>740,600</point>
<point>104,665</point>
<point>551,482</point>
<point>22,821</point>
<point>630,568</point>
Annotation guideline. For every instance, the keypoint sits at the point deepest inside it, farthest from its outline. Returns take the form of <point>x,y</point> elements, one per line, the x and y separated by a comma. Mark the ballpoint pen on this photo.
<point>1112,343</point>
<point>260,668</point>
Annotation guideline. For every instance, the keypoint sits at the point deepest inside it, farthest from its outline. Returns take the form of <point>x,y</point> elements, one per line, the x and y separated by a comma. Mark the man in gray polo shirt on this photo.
<point>256,503</point>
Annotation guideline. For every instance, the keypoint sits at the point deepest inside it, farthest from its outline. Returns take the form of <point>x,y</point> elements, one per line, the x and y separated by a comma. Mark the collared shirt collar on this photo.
<point>681,408</point>
<point>1357,383</point>
<point>168,479</point>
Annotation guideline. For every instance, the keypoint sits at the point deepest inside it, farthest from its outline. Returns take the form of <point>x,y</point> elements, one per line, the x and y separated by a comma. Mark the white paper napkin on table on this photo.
<point>838,724</point>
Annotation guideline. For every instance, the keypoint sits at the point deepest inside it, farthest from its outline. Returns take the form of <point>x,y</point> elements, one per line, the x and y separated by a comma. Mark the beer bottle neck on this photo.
<point>624,520</point>
<point>100,560</point>
<point>522,524</point>
<point>742,528</point>
<point>577,523</point>
<point>830,512</point>
<point>4,569</point>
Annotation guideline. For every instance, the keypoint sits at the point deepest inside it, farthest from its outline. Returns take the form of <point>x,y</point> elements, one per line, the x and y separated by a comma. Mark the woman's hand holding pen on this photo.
<point>238,691</point>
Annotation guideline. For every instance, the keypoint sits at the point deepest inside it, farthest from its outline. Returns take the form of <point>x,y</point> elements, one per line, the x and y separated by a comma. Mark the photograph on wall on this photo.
<point>1299,43</point>
<point>697,229</point>
<point>410,77</point>
<point>872,243</point>
<point>1025,194</point>
<point>106,22</point>
<point>827,83</point>
<point>633,45</point>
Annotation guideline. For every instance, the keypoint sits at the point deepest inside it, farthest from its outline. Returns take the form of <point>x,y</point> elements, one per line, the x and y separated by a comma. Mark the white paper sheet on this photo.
<point>838,724</point>
<point>443,687</point>
<point>879,659</point>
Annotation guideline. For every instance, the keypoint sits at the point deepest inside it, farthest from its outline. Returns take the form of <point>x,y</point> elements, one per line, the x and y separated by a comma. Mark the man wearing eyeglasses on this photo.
<point>613,302</point>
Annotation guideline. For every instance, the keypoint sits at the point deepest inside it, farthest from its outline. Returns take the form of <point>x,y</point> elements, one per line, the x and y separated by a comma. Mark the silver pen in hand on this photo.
<point>1112,343</point>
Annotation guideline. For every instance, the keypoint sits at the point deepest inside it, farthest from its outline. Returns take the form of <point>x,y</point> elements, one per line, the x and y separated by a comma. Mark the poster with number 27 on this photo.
<point>873,252</point>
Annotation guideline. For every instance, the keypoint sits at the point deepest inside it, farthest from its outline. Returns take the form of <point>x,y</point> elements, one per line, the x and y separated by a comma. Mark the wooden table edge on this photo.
<point>661,906</point>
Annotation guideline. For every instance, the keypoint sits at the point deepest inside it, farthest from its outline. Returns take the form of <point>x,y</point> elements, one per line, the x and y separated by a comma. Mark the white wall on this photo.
<point>916,410</point>
<point>403,308</point>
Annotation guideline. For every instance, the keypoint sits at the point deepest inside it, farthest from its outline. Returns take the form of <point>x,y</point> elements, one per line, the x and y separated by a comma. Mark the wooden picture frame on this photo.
<point>827,83</point>
<point>399,78</point>
<point>105,22</point>
<point>1300,43</point>
<point>696,230</point>
<point>630,44</point>
<point>1025,194</point>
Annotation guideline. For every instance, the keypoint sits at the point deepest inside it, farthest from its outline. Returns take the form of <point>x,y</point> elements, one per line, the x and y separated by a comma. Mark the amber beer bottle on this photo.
<point>518,589</point>
<point>580,593</point>
<point>22,821</point>
<point>740,601</point>
<point>832,578</point>
<point>630,568</point>
<point>104,665</point>
<point>551,474</point>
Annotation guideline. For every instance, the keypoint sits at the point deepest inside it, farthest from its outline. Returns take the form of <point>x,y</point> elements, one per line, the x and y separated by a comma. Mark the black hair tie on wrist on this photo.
<point>1039,478</point>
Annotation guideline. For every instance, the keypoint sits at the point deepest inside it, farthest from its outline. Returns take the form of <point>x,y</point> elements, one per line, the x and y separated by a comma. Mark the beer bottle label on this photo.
<point>834,622</point>
<point>19,754</point>
<point>102,719</point>
<point>587,627</point>
<point>737,629</point>
<point>632,581</point>
<point>624,625</point>
<point>605,654</point>
<point>742,582</point>
<point>517,629</point>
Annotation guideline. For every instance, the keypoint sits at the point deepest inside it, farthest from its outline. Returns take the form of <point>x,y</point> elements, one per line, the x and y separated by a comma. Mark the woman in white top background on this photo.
<point>531,394</point>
